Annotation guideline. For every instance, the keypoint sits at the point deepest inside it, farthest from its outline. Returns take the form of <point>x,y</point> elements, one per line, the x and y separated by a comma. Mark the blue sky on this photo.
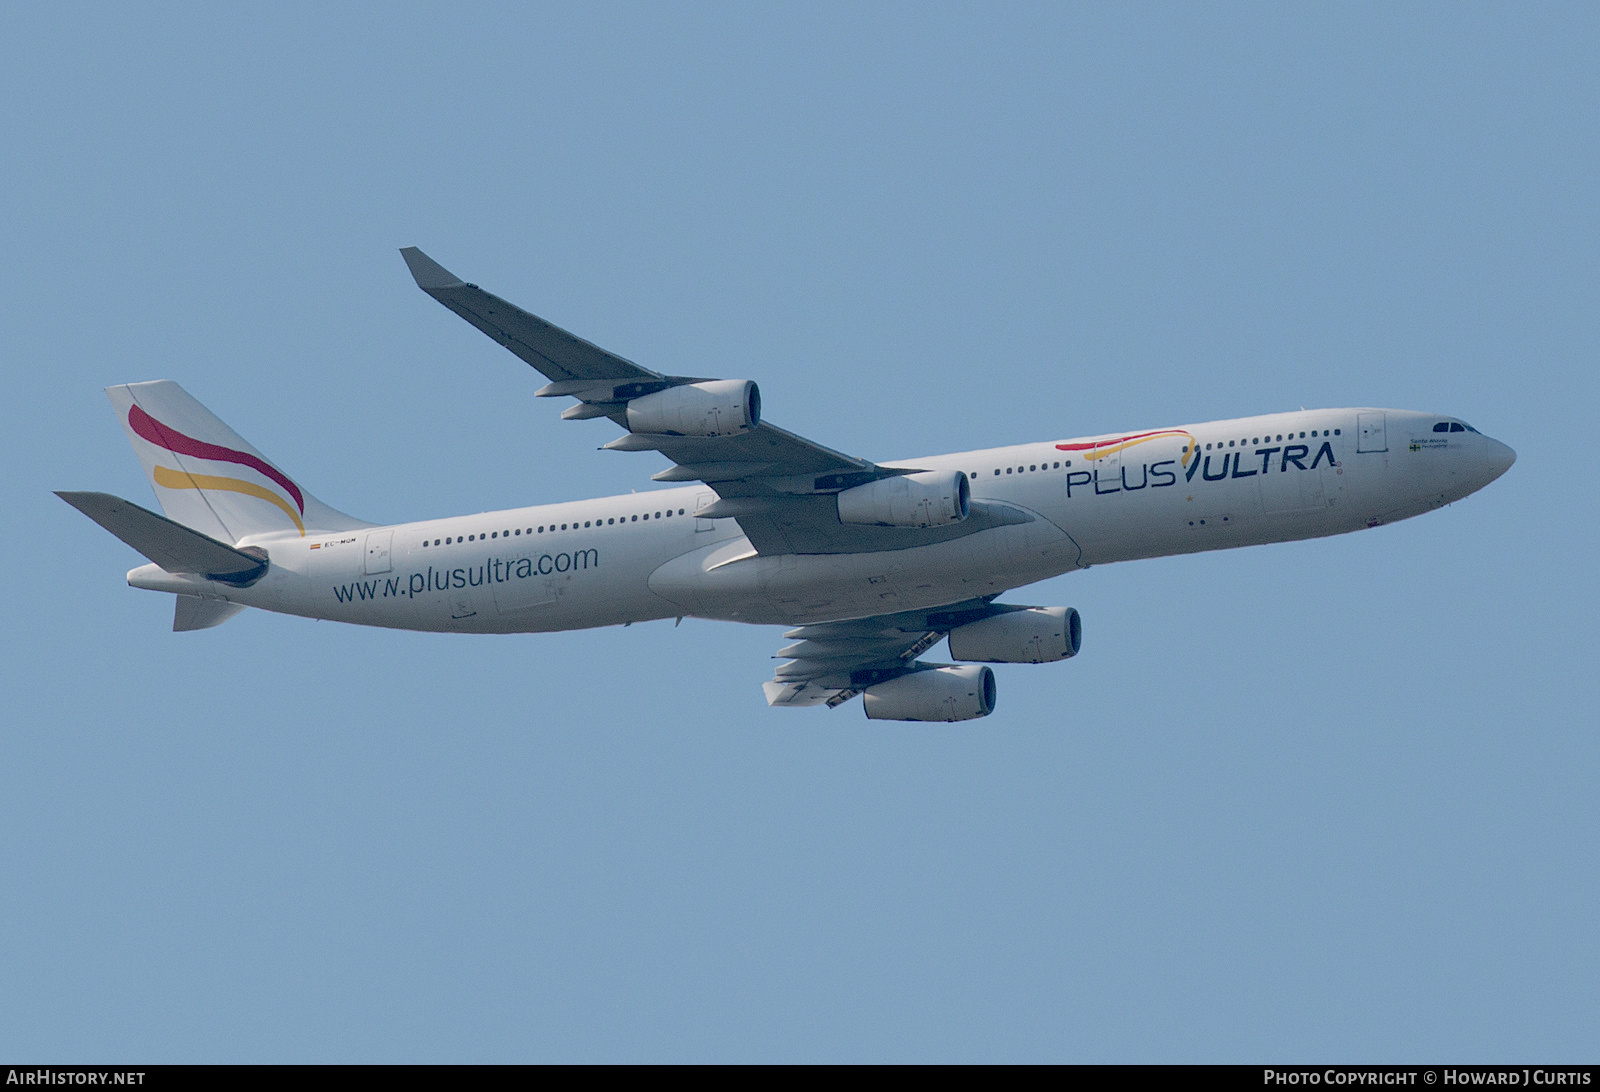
<point>1325,800</point>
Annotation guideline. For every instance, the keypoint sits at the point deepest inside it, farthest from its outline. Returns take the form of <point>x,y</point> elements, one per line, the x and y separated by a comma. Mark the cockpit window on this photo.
<point>1442,426</point>
<point>1457,426</point>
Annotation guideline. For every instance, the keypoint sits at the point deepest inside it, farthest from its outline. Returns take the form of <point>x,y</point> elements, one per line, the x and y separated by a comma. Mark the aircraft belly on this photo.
<point>728,582</point>
<point>574,589</point>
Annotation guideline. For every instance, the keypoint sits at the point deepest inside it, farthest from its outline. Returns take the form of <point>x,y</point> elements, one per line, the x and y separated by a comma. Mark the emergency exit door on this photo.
<point>378,552</point>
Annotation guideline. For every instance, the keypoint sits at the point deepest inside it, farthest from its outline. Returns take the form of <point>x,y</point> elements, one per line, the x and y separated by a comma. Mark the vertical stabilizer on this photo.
<point>206,476</point>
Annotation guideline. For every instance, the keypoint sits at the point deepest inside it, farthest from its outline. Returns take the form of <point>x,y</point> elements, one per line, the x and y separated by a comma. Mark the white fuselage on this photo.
<point>1086,502</point>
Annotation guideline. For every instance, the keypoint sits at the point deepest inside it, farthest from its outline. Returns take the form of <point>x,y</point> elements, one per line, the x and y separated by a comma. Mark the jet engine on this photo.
<point>933,498</point>
<point>717,407</point>
<point>940,694</point>
<point>1033,636</point>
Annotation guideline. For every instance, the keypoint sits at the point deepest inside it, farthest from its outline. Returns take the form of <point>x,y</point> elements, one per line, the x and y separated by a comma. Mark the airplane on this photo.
<point>869,564</point>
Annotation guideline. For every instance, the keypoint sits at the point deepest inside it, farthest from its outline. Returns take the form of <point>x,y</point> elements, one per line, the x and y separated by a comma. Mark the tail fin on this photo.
<point>206,476</point>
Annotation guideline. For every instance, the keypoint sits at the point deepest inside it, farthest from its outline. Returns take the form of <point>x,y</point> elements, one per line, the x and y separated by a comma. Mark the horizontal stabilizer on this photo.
<point>174,547</point>
<point>193,613</point>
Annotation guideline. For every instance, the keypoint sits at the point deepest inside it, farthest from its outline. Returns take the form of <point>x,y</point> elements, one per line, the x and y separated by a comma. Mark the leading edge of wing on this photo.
<point>777,485</point>
<point>603,382</point>
<point>558,355</point>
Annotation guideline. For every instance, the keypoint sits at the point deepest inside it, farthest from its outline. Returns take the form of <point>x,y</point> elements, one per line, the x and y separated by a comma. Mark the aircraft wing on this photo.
<point>778,486</point>
<point>832,662</point>
<point>559,356</point>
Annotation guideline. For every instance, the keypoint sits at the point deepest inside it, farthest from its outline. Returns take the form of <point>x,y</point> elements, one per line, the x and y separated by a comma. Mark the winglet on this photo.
<point>427,272</point>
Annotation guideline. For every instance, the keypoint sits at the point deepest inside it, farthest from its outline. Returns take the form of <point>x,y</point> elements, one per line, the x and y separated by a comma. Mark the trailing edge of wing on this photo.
<point>176,548</point>
<point>832,662</point>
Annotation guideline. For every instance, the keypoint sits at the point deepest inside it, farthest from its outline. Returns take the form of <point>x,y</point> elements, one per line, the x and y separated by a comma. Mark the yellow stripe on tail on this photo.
<point>177,479</point>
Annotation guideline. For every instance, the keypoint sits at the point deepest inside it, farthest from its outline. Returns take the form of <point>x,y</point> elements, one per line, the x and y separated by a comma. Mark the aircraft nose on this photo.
<point>1498,456</point>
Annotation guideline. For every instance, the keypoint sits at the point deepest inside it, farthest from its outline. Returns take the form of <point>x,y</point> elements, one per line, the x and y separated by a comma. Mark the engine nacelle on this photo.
<point>1033,636</point>
<point>940,693</point>
<point>718,407</point>
<point>933,498</point>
